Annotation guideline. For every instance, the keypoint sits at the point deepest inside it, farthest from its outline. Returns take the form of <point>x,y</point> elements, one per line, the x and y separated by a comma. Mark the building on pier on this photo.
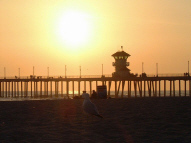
<point>121,64</point>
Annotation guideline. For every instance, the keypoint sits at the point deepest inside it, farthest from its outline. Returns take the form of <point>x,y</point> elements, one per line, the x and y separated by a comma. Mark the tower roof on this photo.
<point>120,53</point>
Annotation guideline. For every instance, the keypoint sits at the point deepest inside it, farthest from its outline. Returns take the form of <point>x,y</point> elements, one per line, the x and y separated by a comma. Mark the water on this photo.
<point>64,96</point>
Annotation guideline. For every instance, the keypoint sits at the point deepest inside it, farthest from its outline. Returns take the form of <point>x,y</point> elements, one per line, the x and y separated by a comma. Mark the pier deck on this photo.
<point>48,86</point>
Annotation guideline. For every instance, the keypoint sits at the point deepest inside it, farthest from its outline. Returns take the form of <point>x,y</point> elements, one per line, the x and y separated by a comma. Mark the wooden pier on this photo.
<point>63,87</point>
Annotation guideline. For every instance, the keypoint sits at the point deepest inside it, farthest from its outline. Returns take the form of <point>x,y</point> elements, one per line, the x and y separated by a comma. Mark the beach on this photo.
<point>130,120</point>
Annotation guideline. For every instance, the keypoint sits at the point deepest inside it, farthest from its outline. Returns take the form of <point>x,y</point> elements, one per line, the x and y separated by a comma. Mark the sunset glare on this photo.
<point>86,33</point>
<point>73,28</point>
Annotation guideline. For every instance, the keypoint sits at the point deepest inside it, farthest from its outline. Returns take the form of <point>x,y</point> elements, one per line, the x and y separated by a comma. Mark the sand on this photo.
<point>125,120</point>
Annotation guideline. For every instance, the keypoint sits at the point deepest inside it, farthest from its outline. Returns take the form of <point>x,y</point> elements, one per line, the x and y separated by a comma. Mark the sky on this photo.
<point>49,33</point>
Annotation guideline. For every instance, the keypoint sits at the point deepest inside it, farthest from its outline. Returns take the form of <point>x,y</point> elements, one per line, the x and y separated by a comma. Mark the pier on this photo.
<point>42,87</point>
<point>124,83</point>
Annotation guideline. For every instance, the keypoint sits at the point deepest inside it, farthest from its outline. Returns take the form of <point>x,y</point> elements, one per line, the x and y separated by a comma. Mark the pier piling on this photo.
<point>142,87</point>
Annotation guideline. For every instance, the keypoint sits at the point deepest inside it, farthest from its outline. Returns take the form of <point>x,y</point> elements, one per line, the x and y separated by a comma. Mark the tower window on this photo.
<point>120,57</point>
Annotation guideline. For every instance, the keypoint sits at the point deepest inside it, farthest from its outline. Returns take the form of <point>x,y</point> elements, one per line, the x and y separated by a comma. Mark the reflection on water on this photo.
<point>71,95</point>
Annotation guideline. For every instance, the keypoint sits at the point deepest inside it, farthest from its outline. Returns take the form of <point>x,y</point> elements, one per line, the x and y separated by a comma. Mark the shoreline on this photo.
<point>4,99</point>
<point>80,98</point>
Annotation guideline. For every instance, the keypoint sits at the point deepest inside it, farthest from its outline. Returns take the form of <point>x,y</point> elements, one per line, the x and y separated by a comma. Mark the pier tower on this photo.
<point>121,64</point>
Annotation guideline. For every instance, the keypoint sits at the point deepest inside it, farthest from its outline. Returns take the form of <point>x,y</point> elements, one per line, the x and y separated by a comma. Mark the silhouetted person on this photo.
<point>94,95</point>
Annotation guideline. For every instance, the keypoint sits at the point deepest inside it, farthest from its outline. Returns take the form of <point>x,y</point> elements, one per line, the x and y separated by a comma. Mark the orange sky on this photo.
<point>151,31</point>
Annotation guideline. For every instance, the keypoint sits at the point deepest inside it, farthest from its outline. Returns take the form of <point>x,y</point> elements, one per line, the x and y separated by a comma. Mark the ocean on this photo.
<point>71,95</point>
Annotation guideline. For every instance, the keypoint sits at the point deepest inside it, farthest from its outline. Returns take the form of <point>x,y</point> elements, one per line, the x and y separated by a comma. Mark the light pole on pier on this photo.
<point>33,71</point>
<point>65,71</point>
<point>102,69</point>
<point>48,72</point>
<point>4,72</point>
<point>188,68</point>
<point>142,67</point>
<point>80,71</point>
<point>156,69</point>
<point>19,72</point>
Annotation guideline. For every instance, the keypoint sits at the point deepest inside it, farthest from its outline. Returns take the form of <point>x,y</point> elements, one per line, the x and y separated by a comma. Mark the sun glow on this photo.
<point>74,28</point>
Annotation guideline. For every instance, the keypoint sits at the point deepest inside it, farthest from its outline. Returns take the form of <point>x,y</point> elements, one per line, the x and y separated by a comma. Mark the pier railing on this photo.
<point>91,76</point>
<point>54,77</point>
<point>167,75</point>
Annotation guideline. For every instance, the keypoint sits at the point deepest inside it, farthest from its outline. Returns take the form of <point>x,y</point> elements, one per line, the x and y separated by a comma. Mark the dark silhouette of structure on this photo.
<point>121,64</point>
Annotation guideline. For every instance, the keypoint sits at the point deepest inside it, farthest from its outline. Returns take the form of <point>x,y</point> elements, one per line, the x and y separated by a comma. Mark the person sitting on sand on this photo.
<point>94,95</point>
<point>84,94</point>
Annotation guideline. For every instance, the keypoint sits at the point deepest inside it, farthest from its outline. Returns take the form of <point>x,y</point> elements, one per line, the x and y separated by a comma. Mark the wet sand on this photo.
<point>125,120</point>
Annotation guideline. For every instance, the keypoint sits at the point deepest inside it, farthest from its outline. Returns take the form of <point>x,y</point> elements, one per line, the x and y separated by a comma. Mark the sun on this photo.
<point>73,28</point>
